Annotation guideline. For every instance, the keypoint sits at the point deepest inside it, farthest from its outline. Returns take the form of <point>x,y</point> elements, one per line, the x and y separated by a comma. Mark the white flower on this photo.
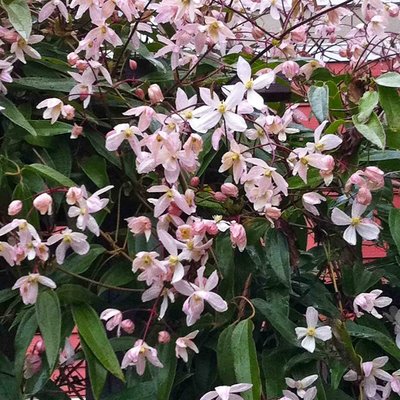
<point>309,201</point>
<point>183,343</point>
<point>75,240</point>
<point>113,318</point>
<point>311,333</point>
<point>29,286</point>
<point>53,108</point>
<point>308,395</point>
<point>365,227</point>
<point>227,392</point>
<point>327,142</point>
<point>302,384</point>
<point>368,302</point>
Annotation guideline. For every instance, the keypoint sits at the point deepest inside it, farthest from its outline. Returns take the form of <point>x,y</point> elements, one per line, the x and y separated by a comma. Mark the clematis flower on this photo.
<point>371,371</point>
<point>309,394</point>
<point>235,158</point>
<point>199,292</point>
<point>138,355</point>
<point>113,318</point>
<point>138,225</point>
<point>29,286</point>
<point>365,227</point>
<point>103,33</point>
<point>369,301</point>
<point>5,76</point>
<point>123,132</point>
<point>238,236</point>
<point>148,263</point>
<point>75,240</point>
<point>309,201</point>
<point>53,108</point>
<point>50,7</point>
<point>217,30</point>
<point>227,392</point>
<point>145,114</point>
<point>44,204</point>
<point>327,142</point>
<point>26,231</point>
<point>183,343</point>
<point>21,47</point>
<point>7,252</point>
<point>301,385</point>
<point>261,82</point>
<point>83,90</point>
<point>215,110</point>
<point>395,382</point>
<point>158,290</point>
<point>311,333</point>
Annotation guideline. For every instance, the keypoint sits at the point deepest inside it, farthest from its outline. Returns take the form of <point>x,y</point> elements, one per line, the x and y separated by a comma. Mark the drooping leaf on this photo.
<point>372,130</point>
<point>390,79</point>
<point>12,113</point>
<point>225,356</point>
<point>48,313</point>
<point>49,173</point>
<point>318,96</point>
<point>357,279</point>
<point>367,104</point>
<point>245,361</point>
<point>394,225</point>
<point>77,294</point>
<point>95,168</point>
<point>19,16</point>
<point>43,83</point>
<point>92,331</point>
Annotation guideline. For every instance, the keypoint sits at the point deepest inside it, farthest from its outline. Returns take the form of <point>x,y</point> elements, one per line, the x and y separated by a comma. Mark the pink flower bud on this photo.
<point>299,35</point>
<point>219,196</point>
<point>230,190</point>
<point>128,326</point>
<point>375,176</point>
<point>212,228</point>
<point>73,195</point>
<point>68,112</point>
<point>40,346</point>
<point>273,213</point>
<point>81,65</point>
<point>76,131</point>
<point>139,93</point>
<point>44,204</point>
<point>32,365</point>
<point>132,65</point>
<point>139,225</point>
<point>290,69</point>
<point>15,207</point>
<point>72,58</point>
<point>238,236</point>
<point>393,10</point>
<point>173,209</point>
<point>195,181</point>
<point>200,227</point>
<point>164,337</point>
<point>257,33</point>
<point>155,94</point>
<point>343,53</point>
<point>248,50</point>
<point>364,196</point>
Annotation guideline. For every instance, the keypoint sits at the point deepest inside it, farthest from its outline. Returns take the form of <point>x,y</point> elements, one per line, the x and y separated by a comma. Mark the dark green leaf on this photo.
<point>95,168</point>
<point>92,331</point>
<point>43,83</point>
<point>48,313</point>
<point>76,294</point>
<point>394,225</point>
<point>51,174</point>
<point>225,356</point>
<point>357,279</point>
<point>141,391</point>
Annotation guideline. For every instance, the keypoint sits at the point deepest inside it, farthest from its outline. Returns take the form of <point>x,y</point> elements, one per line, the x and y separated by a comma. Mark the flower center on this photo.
<point>188,115</point>
<point>304,160</point>
<point>319,146</point>
<point>169,194</point>
<point>173,260</point>
<point>67,239</point>
<point>355,221</point>
<point>267,173</point>
<point>311,331</point>
<point>221,107</point>
<point>249,84</point>
<point>128,133</point>
<point>235,156</point>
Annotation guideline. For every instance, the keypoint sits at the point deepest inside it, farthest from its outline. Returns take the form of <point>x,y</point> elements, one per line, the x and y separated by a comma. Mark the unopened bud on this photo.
<point>132,65</point>
<point>155,94</point>
<point>195,181</point>
<point>164,337</point>
<point>128,326</point>
<point>219,196</point>
<point>15,207</point>
<point>44,204</point>
<point>139,93</point>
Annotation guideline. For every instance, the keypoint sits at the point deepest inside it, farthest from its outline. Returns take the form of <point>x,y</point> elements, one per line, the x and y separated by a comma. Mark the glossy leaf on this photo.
<point>372,130</point>
<point>95,168</point>
<point>51,174</point>
<point>390,79</point>
<point>394,224</point>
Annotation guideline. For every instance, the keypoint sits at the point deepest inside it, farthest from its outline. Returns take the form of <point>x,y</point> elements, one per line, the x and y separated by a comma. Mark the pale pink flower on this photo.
<point>364,196</point>
<point>138,355</point>
<point>53,108</point>
<point>262,82</point>
<point>311,333</point>
<point>50,7</point>
<point>183,343</point>
<point>327,142</point>
<point>238,236</point>
<point>68,353</point>
<point>15,207</point>
<point>230,190</point>
<point>309,201</point>
<point>376,26</point>
<point>76,131</point>
<point>289,68</point>
<point>8,253</point>
<point>156,290</point>
<point>139,225</point>
<point>198,293</point>
<point>26,231</point>
<point>83,90</point>
<point>164,337</point>
<point>102,33</point>
<point>227,392</point>
<point>29,286</point>
<point>155,94</point>
<point>395,381</point>
<point>21,47</point>
<point>127,7</point>
<point>68,112</point>
<point>5,75</point>
<point>75,240</point>
<point>44,204</point>
<point>123,132</point>
<point>151,267</point>
<point>308,68</point>
<point>113,318</point>
<point>375,177</point>
<point>371,371</point>
<point>84,5</point>
<point>365,227</point>
<point>217,30</point>
<point>277,7</point>
<point>301,385</point>
<point>75,194</point>
<point>145,114</point>
<point>215,110</point>
<point>170,195</point>
<point>235,158</point>
<point>369,301</point>
<point>309,394</point>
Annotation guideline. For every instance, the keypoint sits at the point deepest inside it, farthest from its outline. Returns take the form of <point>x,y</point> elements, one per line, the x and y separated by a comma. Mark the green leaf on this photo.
<point>92,332</point>
<point>76,294</point>
<point>7,294</point>
<point>51,174</point>
<point>99,144</point>
<point>141,391</point>
<point>357,279</point>
<point>372,130</point>
<point>226,263</point>
<point>277,253</point>
<point>95,168</point>
<point>390,79</point>
<point>48,313</point>
<point>245,361</point>
<point>79,264</point>
<point>225,356</point>
<point>367,104</point>
<point>379,338</point>
<point>390,102</point>
<point>19,16</point>
<point>163,378</point>
<point>8,389</point>
<point>97,374</point>
<point>278,318</point>
<point>120,274</point>
<point>14,115</point>
<point>45,84</point>
<point>394,225</point>
<point>45,128</point>
<point>318,96</point>
<point>25,333</point>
